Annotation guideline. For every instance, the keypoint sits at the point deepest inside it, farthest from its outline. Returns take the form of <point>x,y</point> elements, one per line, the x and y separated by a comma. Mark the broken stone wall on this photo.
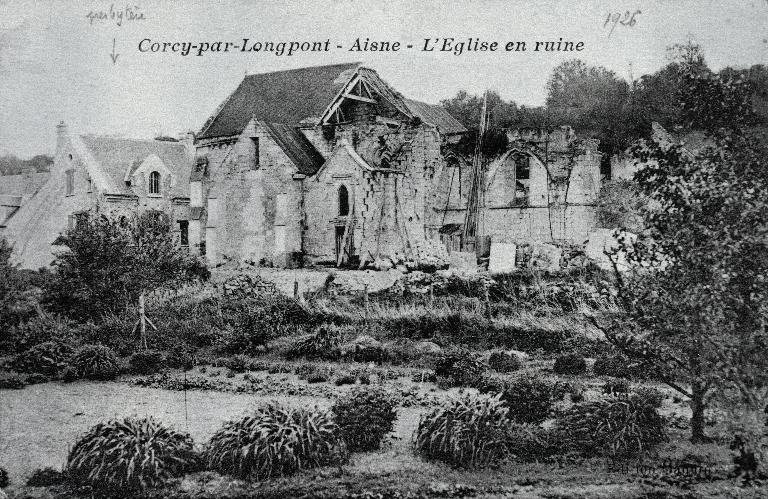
<point>257,215</point>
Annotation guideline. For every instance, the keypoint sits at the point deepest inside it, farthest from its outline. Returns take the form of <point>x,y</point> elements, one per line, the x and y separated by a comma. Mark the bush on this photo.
<point>618,366</point>
<point>3,478</point>
<point>325,344</point>
<point>616,386</point>
<point>529,399</point>
<point>532,443</point>
<point>146,362</point>
<point>45,477</point>
<point>39,330</point>
<point>253,323</point>
<point>468,431</point>
<point>366,349</point>
<point>570,363</point>
<point>504,362</point>
<point>36,378</point>
<point>130,454</point>
<point>460,367</point>
<point>46,358</point>
<point>620,427</point>
<point>649,395</point>
<point>12,383</point>
<point>96,362</point>
<point>365,416</point>
<point>275,441</point>
<point>345,379</point>
<point>239,363</point>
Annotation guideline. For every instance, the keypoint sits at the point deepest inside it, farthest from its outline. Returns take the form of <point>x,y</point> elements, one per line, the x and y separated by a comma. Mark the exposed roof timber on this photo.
<point>334,105</point>
<point>360,98</point>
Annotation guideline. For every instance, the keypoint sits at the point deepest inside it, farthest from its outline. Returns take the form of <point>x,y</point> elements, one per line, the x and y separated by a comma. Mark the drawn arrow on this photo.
<point>113,55</point>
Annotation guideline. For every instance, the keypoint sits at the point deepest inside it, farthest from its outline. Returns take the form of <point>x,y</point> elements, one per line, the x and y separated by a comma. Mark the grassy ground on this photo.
<point>40,422</point>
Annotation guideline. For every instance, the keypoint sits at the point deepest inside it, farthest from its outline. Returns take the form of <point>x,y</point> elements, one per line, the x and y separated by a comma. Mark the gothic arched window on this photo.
<point>343,201</point>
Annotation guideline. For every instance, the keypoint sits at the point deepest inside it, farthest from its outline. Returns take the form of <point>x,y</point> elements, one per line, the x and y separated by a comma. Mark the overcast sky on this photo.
<point>55,63</point>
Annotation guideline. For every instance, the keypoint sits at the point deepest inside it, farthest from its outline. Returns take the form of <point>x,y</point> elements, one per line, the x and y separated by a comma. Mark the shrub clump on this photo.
<point>365,416</point>
<point>619,426</point>
<point>45,477</point>
<point>323,344</point>
<point>460,367</point>
<point>276,441</point>
<point>468,431</point>
<point>45,358</point>
<point>130,454</point>
<point>529,399</point>
<point>12,383</point>
<point>4,480</point>
<point>504,362</point>
<point>570,363</point>
<point>618,366</point>
<point>146,362</point>
<point>365,349</point>
<point>96,362</point>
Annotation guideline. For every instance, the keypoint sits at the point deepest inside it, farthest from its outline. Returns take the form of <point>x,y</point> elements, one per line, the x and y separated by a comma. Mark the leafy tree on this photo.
<point>591,99</point>
<point>467,109</point>
<point>16,302</point>
<point>107,263</point>
<point>695,297</point>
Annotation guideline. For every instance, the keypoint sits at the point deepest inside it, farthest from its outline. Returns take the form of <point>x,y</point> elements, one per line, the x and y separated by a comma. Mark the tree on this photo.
<point>108,262</point>
<point>467,109</point>
<point>694,301</point>
<point>591,99</point>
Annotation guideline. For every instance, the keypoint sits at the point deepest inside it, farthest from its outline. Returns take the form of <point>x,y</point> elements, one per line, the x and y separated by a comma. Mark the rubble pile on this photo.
<point>245,285</point>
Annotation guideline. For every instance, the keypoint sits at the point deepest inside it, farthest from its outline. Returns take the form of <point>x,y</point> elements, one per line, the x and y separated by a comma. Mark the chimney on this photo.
<point>62,134</point>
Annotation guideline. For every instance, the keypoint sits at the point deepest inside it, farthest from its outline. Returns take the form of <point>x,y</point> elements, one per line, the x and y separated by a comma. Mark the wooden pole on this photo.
<point>365,301</point>
<point>142,322</point>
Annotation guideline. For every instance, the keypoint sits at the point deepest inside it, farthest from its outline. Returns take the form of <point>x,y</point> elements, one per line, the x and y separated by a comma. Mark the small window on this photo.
<point>522,167</point>
<point>255,159</point>
<point>70,180</point>
<point>184,232</point>
<point>154,183</point>
<point>343,201</point>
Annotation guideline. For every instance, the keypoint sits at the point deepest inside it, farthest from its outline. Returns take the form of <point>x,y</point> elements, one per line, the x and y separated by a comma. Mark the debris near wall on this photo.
<point>245,285</point>
<point>425,255</point>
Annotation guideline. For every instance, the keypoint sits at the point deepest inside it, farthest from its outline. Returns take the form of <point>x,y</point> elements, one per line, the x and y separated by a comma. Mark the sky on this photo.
<point>56,64</point>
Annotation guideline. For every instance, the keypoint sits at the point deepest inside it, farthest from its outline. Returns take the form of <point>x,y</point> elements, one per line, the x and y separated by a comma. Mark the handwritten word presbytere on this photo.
<point>449,46</point>
<point>117,16</point>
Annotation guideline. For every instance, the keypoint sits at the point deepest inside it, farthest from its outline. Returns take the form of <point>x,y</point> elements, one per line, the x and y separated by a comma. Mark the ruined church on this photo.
<point>331,164</point>
<point>327,165</point>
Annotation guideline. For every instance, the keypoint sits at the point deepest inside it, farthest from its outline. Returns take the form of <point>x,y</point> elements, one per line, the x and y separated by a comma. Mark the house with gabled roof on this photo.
<point>112,175</point>
<point>326,163</point>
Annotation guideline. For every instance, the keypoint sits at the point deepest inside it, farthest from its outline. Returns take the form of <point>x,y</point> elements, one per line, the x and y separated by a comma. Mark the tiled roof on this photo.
<point>117,156</point>
<point>297,147</point>
<point>435,115</point>
<point>287,97</point>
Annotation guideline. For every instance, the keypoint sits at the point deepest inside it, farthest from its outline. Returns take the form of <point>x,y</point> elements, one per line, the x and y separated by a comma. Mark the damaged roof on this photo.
<point>287,97</point>
<point>299,96</point>
<point>117,156</point>
<point>435,115</point>
<point>297,147</point>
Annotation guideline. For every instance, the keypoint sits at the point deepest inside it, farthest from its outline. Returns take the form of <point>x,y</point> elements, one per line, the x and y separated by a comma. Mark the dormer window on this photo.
<point>154,183</point>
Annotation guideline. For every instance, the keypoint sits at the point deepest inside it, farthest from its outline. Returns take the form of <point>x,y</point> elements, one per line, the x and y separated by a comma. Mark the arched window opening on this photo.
<point>154,183</point>
<point>522,167</point>
<point>343,201</point>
